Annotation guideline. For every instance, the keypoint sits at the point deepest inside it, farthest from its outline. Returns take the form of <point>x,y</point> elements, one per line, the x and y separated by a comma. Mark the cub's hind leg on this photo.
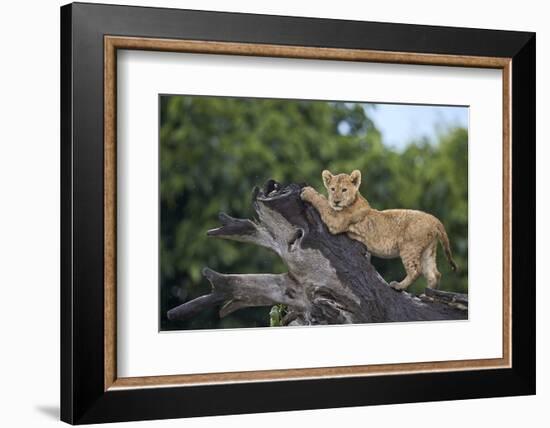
<point>429,265</point>
<point>411,259</point>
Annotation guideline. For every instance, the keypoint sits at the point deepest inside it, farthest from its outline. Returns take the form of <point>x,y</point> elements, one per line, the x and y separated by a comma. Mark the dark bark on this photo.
<point>330,278</point>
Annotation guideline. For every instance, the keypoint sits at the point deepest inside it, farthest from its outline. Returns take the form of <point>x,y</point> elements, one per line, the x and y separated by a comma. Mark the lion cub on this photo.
<point>411,235</point>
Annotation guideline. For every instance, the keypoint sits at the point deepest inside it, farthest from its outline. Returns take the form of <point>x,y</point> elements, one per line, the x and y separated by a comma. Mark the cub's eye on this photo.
<point>344,190</point>
<point>333,189</point>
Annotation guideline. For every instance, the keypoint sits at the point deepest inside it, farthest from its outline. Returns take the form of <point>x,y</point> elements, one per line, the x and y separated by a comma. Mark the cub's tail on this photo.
<point>444,239</point>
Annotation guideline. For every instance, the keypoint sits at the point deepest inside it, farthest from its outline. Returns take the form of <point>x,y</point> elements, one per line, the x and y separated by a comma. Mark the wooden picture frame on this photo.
<point>91,390</point>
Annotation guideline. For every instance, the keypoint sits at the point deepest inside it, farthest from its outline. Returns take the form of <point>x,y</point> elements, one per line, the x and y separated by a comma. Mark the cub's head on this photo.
<point>342,188</point>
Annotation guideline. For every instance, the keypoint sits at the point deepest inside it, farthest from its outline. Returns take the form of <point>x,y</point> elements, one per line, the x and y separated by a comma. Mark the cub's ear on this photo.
<point>327,177</point>
<point>356,178</point>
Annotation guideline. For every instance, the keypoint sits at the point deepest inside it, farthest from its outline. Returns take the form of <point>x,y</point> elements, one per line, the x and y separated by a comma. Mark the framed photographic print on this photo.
<point>265,213</point>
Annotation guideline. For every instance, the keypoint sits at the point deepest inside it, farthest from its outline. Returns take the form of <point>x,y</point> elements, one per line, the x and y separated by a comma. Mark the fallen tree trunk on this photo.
<point>330,278</point>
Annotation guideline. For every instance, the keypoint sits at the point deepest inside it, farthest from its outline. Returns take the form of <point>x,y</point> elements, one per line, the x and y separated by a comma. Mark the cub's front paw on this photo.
<point>396,286</point>
<point>307,194</point>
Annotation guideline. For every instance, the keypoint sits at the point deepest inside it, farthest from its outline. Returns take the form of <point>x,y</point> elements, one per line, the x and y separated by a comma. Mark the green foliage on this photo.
<point>276,315</point>
<point>214,150</point>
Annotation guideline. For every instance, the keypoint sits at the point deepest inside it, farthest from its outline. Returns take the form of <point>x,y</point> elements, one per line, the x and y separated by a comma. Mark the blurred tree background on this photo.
<point>214,150</point>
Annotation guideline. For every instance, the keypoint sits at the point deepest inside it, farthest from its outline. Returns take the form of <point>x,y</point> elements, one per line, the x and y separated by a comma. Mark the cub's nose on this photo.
<point>336,202</point>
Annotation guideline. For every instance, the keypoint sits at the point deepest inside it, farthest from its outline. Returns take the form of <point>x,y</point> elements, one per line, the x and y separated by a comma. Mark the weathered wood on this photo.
<point>455,300</point>
<point>446,296</point>
<point>330,278</point>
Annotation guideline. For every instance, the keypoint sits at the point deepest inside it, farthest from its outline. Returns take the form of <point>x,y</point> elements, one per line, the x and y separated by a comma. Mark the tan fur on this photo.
<point>409,234</point>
